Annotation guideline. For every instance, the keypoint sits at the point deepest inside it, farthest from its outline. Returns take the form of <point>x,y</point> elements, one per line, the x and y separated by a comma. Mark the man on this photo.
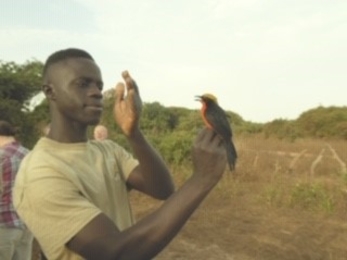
<point>100,133</point>
<point>73,193</point>
<point>15,238</point>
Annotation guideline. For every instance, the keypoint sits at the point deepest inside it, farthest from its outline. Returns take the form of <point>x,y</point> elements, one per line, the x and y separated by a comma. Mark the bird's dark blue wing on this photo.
<point>217,118</point>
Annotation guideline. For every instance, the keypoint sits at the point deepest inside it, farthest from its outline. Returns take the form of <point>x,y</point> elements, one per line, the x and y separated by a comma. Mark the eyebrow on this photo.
<point>89,79</point>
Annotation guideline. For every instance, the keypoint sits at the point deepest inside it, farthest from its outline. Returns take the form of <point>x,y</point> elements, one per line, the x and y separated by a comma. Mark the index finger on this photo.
<point>130,82</point>
<point>203,132</point>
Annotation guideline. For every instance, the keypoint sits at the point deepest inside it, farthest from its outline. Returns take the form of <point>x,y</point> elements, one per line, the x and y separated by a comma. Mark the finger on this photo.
<point>119,92</point>
<point>130,82</point>
<point>200,135</point>
<point>221,141</point>
<point>132,97</point>
<point>205,138</point>
<point>217,140</point>
<point>210,134</point>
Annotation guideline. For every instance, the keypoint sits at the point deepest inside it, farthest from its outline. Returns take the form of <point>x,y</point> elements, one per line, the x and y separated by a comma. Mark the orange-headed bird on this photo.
<point>215,118</point>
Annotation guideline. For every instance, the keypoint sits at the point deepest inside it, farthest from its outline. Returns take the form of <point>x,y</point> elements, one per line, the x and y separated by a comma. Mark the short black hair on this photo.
<point>64,55</point>
<point>6,129</point>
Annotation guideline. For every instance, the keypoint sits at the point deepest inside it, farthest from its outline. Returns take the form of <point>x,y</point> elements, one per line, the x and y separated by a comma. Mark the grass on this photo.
<point>268,208</point>
<point>274,196</point>
<point>312,196</point>
<point>344,178</point>
<point>272,206</point>
<point>276,173</point>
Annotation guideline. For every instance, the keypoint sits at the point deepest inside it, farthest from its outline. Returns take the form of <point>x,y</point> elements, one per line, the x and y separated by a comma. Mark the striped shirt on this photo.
<point>11,156</point>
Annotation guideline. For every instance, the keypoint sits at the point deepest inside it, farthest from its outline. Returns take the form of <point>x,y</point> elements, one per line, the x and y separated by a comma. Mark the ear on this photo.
<point>49,92</point>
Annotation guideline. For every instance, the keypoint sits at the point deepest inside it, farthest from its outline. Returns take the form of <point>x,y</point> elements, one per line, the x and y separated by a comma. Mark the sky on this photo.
<point>263,59</point>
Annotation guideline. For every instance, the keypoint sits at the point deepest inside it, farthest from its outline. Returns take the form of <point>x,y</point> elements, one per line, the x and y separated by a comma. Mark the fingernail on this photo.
<point>125,74</point>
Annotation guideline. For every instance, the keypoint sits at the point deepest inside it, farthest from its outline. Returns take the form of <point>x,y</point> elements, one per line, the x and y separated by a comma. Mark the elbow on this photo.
<point>166,193</point>
<point>163,189</point>
<point>169,192</point>
<point>164,196</point>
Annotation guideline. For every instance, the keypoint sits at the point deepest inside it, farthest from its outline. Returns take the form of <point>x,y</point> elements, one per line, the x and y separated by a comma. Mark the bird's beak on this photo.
<point>198,98</point>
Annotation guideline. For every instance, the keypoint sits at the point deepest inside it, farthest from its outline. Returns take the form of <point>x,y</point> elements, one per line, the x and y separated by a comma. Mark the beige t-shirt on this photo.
<point>61,187</point>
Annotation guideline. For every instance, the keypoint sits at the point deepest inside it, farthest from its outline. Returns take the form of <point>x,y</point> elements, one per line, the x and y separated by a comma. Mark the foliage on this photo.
<point>248,128</point>
<point>18,84</point>
<point>176,147</point>
<point>157,118</point>
<point>282,129</point>
<point>324,122</point>
<point>170,129</point>
<point>312,197</point>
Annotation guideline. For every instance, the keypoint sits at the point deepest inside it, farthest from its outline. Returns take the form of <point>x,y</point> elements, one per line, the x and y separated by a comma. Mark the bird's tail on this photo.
<point>231,154</point>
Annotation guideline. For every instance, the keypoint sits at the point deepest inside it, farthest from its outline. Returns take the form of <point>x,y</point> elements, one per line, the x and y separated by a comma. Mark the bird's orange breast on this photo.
<point>203,115</point>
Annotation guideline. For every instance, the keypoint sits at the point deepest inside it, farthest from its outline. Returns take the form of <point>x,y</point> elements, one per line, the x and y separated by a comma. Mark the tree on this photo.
<point>156,118</point>
<point>18,84</point>
<point>322,121</point>
<point>282,129</point>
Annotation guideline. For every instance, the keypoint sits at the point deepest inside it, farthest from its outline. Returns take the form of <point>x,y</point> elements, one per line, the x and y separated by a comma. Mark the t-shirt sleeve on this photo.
<point>54,210</point>
<point>125,161</point>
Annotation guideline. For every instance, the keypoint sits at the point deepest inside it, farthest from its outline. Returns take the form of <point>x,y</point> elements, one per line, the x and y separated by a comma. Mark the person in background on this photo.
<point>46,129</point>
<point>100,133</point>
<point>15,239</point>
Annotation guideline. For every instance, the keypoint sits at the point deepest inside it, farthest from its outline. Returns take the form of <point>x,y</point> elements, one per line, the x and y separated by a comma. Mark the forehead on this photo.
<point>75,68</point>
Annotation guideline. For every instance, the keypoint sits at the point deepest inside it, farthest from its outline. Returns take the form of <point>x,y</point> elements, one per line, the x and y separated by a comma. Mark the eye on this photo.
<point>83,83</point>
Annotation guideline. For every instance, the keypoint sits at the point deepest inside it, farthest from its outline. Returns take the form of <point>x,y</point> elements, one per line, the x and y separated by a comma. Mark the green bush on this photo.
<point>311,197</point>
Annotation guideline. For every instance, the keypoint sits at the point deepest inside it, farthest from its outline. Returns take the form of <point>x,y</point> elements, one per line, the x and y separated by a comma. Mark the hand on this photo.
<point>209,156</point>
<point>127,109</point>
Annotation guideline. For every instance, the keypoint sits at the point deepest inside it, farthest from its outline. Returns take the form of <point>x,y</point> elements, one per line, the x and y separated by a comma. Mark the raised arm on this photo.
<point>151,176</point>
<point>100,239</point>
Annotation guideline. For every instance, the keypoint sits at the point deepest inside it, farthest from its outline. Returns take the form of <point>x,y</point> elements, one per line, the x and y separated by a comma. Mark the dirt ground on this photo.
<point>233,230</point>
<point>286,201</point>
<point>239,229</point>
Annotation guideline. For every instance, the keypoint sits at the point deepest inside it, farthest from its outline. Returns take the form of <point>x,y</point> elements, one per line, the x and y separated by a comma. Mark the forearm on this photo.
<point>101,239</point>
<point>156,176</point>
<point>150,235</point>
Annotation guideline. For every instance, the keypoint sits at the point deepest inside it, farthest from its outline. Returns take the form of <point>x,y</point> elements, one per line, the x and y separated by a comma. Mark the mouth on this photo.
<point>94,107</point>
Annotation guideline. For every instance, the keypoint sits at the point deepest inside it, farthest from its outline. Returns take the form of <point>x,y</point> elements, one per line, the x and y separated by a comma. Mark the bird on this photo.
<point>216,119</point>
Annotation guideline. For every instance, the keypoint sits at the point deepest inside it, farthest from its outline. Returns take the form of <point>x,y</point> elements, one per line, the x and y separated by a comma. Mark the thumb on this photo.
<point>119,92</point>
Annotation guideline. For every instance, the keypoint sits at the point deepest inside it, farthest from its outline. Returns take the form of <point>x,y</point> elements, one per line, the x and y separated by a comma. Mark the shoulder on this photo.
<point>37,164</point>
<point>106,145</point>
<point>111,149</point>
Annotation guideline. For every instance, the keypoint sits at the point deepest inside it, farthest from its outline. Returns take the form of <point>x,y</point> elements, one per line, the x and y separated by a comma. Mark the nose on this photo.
<point>95,91</point>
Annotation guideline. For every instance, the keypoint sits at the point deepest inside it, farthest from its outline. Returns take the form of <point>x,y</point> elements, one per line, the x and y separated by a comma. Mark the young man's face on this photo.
<point>78,87</point>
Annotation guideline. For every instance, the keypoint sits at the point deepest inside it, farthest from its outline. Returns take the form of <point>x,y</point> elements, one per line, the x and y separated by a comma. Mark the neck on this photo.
<point>4,140</point>
<point>68,132</point>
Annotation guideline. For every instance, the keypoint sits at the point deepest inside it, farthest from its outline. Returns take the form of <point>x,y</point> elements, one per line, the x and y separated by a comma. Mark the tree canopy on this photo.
<point>19,83</point>
<point>171,129</point>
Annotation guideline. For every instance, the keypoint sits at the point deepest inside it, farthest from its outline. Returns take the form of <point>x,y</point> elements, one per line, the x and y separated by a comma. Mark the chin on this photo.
<point>93,121</point>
